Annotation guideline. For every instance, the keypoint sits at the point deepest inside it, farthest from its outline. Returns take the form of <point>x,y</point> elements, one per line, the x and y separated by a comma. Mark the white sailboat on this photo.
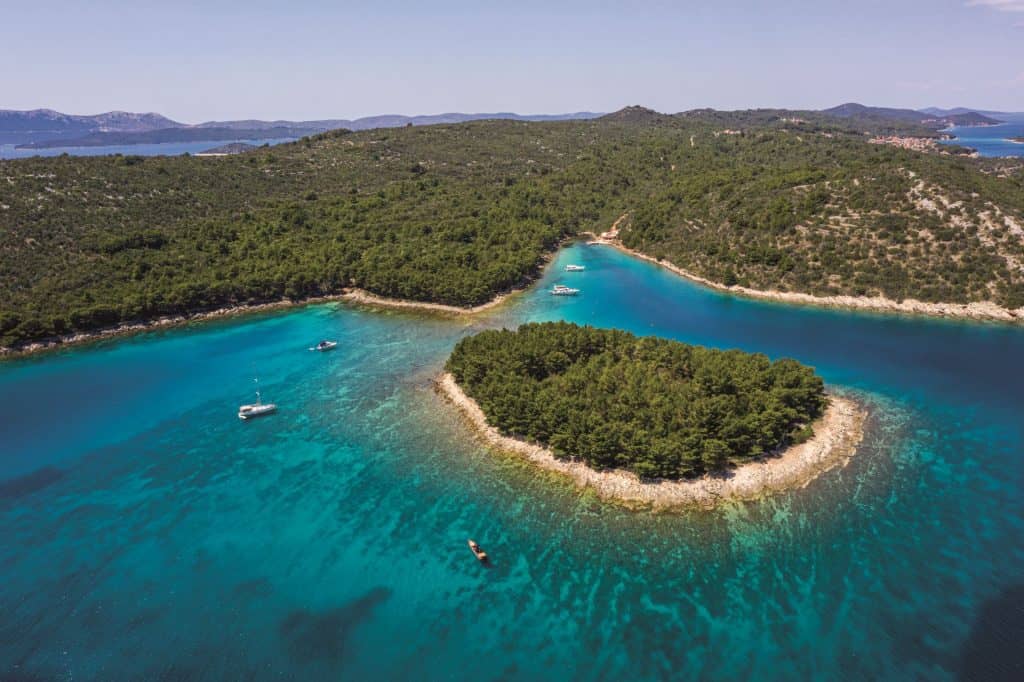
<point>257,409</point>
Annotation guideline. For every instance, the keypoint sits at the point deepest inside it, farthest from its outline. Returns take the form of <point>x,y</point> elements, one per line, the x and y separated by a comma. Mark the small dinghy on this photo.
<point>257,409</point>
<point>325,345</point>
<point>477,552</point>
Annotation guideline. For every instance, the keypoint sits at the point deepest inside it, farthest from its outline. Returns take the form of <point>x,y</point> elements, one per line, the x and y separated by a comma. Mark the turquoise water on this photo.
<point>992,140</point>
<point>10,151</point>
<point>146,533</point>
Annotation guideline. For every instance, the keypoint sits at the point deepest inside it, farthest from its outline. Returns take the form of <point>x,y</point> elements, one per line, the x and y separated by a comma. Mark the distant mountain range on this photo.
<point>50,121</point>
<point>929,118</point>
<point>45,128</point>
<point>1008,116</point>
<point>42,128</point>
<point>937,111</point>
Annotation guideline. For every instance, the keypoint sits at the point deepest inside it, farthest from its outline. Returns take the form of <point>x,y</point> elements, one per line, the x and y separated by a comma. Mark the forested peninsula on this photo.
<point>657,409</point>
<point>456,214</point>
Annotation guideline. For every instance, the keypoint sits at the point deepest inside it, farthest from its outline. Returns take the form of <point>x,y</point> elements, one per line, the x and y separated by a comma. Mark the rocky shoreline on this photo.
<point>138,327</point>
<point>981,311</point>
<point>836,437</point>
<point>356,296</point>
<point>352,295</point>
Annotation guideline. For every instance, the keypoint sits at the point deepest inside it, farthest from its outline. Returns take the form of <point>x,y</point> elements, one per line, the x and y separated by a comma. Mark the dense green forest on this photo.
<point>457,213</point>
<point>656,407</point>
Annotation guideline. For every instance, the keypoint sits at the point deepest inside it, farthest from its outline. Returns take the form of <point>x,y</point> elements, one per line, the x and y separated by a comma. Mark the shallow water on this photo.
<point>146,533</point>
<point>992,140</point>
<point>11,151</point>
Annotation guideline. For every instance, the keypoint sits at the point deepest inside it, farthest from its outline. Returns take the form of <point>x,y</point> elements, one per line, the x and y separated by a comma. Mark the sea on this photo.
<point>10,151</point>
<point>148,534</point>
<point>991,140</point>
<point>988,140</point>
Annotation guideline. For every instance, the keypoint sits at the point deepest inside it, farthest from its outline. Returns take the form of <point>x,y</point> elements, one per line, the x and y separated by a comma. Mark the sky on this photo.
<point>218,60</point>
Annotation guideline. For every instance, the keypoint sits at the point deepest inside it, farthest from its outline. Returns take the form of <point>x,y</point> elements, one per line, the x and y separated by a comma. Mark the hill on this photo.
<point>937,111</point>
<point>47,120</point>
<point>39,124</point>
<point>864,113</point>
<point>854,110</point>
<point>394,120</point>
<point>456,213</point>
<point>810,121</point>
<point>971,118</point>
<point>635,114</point>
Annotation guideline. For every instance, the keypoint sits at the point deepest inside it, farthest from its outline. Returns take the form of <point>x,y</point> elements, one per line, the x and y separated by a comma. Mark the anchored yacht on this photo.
<point>257,409</point>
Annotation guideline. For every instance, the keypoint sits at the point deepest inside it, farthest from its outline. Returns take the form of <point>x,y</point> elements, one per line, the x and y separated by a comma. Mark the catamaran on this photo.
<point>257,409</point>
<point>562,290</point>
<point>575,268</point>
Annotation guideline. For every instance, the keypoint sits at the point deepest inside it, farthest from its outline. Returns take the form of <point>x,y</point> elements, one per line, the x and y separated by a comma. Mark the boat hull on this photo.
<point>480,554</point>
<point>246,412</point>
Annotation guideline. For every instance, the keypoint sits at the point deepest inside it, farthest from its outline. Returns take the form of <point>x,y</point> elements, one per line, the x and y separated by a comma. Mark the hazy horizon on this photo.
<point>196,62</point>
<point>469,113</point>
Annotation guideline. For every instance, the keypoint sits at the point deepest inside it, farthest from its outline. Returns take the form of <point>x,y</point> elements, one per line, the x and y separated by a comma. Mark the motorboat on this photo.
<point>477,551</point>
<point>325,345</point>
<point>562,290</point>
<point>575,268</point>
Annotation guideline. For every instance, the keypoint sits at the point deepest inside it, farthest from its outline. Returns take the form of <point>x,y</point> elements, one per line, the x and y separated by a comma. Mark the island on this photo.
<point>456,215</point>
<point>972,119</point>
<point>650,421</point>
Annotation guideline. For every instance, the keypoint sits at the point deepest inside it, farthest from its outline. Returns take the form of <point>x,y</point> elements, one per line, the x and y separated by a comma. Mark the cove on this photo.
<point>145,532</point>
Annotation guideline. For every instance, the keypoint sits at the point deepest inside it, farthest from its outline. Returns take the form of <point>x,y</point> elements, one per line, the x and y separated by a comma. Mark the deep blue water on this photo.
<point>146,533</point>
<point>992,140</point>
<point>10,151</point>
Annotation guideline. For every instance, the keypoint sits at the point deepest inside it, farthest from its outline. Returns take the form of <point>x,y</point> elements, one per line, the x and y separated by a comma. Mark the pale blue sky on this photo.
<point>196,61</point>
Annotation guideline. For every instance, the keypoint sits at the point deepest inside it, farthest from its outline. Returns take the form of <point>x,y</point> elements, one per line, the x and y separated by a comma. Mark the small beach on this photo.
<point>364,297</point>
<point>836,436</point>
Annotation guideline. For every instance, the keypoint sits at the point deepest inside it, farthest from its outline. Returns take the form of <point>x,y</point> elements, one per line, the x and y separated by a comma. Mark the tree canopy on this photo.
<point>458,213</point>
<point>656,407</point>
